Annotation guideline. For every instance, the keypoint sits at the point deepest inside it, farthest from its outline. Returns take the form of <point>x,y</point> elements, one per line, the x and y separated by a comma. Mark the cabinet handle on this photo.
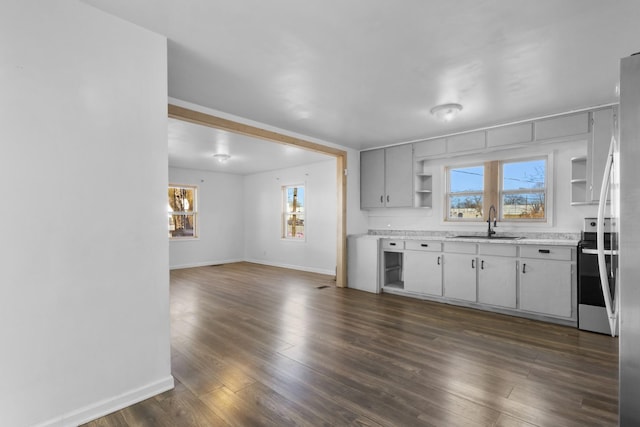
<point>438,260</point>
<point>482,265</point>
<point>524,268</point>
<point>473,263</point>
<point>424,245</point>
<point>544,251</point>
<point>381,199</point>
<point>392,244</point>
<point>387,199</point>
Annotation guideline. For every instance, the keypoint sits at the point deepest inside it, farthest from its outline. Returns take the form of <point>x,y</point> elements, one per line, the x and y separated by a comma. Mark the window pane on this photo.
<point>523,206</point>
<point>465,206</point>
<point>182,199</point>
<point>294,226</point>
<point>466,179</point>
<point>182,225</point>
<point>295,199</point>
<point>527,175</point>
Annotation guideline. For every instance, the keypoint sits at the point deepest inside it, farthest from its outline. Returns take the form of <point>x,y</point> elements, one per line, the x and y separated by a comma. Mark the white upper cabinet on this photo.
<point>431,147</point>
<point>372,179</point>
<point>399,176</point>
<point>601,132</point>
<point>466,142</point>
<point>507,135</point>
<point>562,126</point>
<point>586,172</point>
<point>386,177</point>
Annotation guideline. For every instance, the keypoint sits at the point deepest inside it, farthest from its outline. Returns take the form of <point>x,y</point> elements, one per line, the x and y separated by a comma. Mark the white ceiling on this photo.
<point>365,73</point>
<point>192,146</point>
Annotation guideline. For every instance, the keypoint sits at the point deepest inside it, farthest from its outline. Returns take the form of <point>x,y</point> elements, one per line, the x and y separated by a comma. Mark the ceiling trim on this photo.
<point>197,117</point>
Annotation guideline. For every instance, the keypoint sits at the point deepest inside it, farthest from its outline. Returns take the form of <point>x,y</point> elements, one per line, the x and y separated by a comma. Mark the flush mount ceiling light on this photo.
<point>446,112</point>
<point>222,158</point>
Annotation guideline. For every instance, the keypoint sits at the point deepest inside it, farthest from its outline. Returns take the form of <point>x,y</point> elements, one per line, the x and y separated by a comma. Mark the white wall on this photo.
<point>221,223</point>
<point>263,207</point>
<point>84,306</point>
<point>566,219</point>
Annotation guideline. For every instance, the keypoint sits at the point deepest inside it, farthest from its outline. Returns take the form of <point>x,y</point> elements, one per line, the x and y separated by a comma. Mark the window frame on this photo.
<point>193,213</point>
<point>285,213</point>
<point>545,191</point>
<point>448,192</point>
<point>493,188</point>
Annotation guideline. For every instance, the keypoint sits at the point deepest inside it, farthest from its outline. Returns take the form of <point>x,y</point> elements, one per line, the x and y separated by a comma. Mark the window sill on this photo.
<point>293,240</point>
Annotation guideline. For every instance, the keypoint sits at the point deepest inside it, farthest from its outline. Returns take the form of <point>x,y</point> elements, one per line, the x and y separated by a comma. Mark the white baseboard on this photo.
<point>204,264</point>
<point>293,267</point>
<point>107,406</point>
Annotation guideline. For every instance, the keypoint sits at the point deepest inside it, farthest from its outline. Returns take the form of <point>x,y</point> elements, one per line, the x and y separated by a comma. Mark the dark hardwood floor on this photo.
<point>263,346</point>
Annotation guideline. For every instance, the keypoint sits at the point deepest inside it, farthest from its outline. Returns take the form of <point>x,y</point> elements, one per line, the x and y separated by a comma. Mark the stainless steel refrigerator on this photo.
<point>629,245</point>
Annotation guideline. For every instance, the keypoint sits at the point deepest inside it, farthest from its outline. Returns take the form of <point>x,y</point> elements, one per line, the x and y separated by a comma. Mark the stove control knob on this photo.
<point>593,223</point>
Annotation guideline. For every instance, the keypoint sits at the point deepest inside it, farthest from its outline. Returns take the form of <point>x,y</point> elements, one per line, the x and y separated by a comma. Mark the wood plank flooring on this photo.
<point>263,346</point>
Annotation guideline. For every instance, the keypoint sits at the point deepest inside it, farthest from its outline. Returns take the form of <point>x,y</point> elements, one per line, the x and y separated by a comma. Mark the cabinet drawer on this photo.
<point>393,244</point>
<point>461,248</point>
<point>422,245</point>
<point>497,249</point>
<point>561,253</point>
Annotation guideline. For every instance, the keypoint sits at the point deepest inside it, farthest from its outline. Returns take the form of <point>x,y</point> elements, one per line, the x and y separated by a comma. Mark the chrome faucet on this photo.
<point>491,232</point>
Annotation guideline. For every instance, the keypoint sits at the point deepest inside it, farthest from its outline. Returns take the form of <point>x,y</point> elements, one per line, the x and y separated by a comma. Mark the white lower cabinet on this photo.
<point>460,276</point>
<point>497,281</point>
<point>423,272</point>
<point>546,287</point>
<point>526,280</point>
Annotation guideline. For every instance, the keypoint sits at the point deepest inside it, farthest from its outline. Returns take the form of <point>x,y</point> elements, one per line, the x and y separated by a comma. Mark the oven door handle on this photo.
<point>595,252</point>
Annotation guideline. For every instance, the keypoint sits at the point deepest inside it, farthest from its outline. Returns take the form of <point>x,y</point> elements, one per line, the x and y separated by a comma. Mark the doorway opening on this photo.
<point>209,120</point>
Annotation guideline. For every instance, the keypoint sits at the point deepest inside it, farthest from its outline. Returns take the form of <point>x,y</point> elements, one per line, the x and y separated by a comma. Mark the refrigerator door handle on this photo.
<point>612,313</point>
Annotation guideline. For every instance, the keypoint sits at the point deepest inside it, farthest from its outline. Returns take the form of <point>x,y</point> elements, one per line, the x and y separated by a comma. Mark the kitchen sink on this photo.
<point>490,238</point>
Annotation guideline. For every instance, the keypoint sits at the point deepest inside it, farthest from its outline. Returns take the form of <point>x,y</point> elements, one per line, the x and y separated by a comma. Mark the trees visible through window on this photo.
<point>182,211</point>
<point>517,188</point>
<point>293,212</point>
<point>465,192</point>
<point>523,190</point>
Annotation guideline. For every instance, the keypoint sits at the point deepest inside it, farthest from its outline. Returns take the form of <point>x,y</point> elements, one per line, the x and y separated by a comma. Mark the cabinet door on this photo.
<point>399,176</point>
<point>601,133</point>
<point>423,272</point>
<point>562,126</point>
<point>362,263</point>
<point>460,276</point>
<point>545,287</point>
<point>497,281</point>
<point>372,179</point>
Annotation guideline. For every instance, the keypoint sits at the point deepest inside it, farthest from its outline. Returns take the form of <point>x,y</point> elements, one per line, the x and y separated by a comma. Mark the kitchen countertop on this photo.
<point>543,239</point>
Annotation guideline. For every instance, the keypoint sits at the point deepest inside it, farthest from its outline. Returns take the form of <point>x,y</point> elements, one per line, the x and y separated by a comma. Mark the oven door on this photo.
<point>592,314</point>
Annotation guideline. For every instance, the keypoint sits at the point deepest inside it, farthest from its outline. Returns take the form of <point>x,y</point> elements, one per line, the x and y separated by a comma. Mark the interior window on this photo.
<point>465,193</point>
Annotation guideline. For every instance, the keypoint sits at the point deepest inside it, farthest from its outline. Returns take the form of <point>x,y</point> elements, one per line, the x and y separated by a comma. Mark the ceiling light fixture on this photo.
<point>446,112</point>
<point>222,158</point>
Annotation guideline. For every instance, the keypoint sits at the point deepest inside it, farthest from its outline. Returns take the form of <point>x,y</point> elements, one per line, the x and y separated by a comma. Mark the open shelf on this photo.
<point>579,181</point>
<point>423,187</point>
<point>393,270</point>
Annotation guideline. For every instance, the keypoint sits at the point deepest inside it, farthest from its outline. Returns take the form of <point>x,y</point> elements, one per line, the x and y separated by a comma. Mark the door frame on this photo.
<point>209,120</point>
